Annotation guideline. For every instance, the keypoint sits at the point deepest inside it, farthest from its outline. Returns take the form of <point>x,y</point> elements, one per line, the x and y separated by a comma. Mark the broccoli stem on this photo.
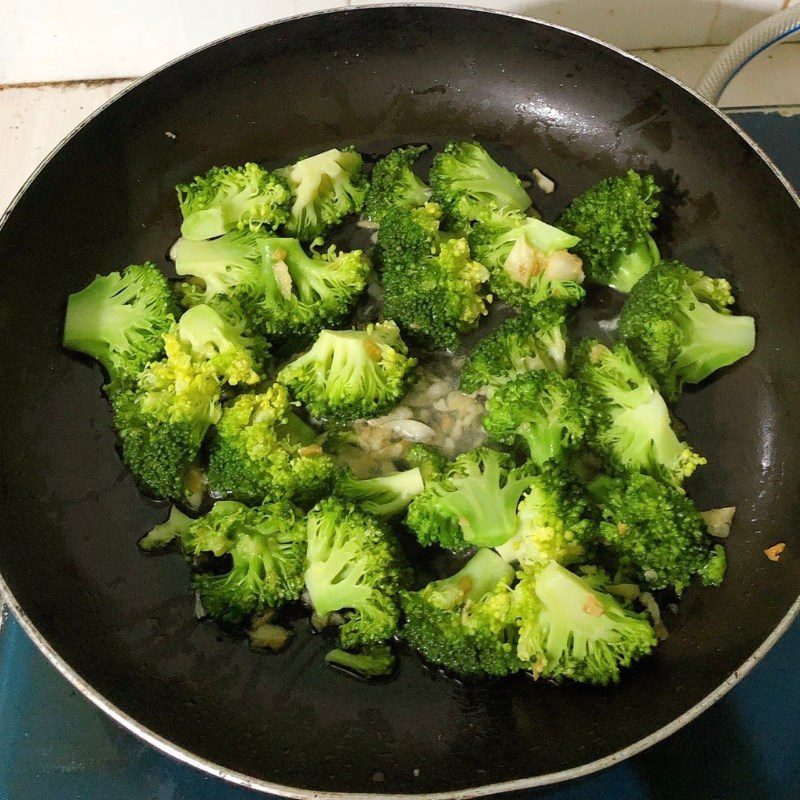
<point>544,443</point>
<point>210,260</point>
<point>479,576</point>
<point>205,224</point>
<point>634,265</point>
<point>375,661</point>
<point>88,318</point>
<point>486,511</point>
<point>712,340</point>
<point>177,523</point>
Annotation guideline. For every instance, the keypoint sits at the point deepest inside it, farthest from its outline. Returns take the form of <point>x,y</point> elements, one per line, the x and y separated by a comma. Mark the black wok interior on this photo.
<point>379,77</point>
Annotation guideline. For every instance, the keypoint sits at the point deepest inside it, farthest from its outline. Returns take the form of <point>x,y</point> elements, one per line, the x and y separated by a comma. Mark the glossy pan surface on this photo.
<point>122,626</point>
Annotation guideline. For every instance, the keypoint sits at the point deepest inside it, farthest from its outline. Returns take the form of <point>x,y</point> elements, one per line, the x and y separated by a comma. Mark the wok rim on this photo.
<point>258,784</point>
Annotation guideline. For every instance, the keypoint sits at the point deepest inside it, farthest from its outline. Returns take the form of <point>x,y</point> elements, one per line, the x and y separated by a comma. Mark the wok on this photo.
<point>121,626</point>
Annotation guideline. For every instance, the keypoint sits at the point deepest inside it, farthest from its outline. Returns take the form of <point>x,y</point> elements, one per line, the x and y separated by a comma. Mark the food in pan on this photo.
<point>407,437</point>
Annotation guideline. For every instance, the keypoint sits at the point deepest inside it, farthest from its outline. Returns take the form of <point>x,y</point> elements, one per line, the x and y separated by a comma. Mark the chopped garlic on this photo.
<point>718,521</point>
<point>283,279</point>
<point>774,553</point>
<point>524,262</point>
<point>373,351</point>
<point>268,637</point>
<point>593,607</point>
<point>564,266</point>
<point>546,184</point>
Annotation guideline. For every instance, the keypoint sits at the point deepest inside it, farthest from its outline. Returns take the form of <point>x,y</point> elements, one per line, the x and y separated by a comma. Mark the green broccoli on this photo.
<point>614,220</point>
<point>163,419</point>
<point>409,236</point>
<point>470,184</point>
<point>677,321</point>
<point>382,496</point>
<point>552,522</point>
<point>120,320</point>
<point>535,339</point>
<point>431,286</point>
<point>542,408</point>
<point>211,340</point>
<point>349,375</point>
<point>234,265</point>
<point>354,569</point>
<point>465,623</point>
<point>274,281</point>
<point>429,459</point>
<point>226,198</point>
<point>325,188</point>
<point>267,547</point>
<point>570,628</point>
<point>176,525</point>
<point>656,532</point>
<point>394,185</point>
<point>260,449</point>
<point>304,293</point>
<point>372,661</point>
<point>528,260</point>
<point>231,307</point>
<point>631,424</point>
<point>473,504</point>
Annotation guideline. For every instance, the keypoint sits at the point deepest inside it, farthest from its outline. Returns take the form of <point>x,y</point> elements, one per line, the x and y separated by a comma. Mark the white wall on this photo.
<point>59,40</point>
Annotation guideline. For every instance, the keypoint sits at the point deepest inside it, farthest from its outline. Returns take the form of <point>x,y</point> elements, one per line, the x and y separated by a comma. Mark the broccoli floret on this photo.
<point>394,185</point>
<point>431,286</point>
<point>528,260</point>
<point>260,449</point>
<point>465,623</point>
<point>571,628</point>
<point>631,424</point>
<point>383,496</point>
<point>214,533</point>
<point>713,571</point>
<point>543,409</point>
<point>120,320</point>
<point>349,375</point>
<point>234,265</point>
<point>325,189</point>
<point>430,460</point>
<point>234,358</point>
<point>656,531</point>
<point>372,661</point>
<point>230,307</point>
<point>677,321</point>
<point>614,220</point>
<point>267,547</point>
<point>164,534</point>
<point>470,184</point>
<point>226,198</point>
<point>473,504</point>
<point>552,522</point>
<point>304,293</point>
<point>440,297</point>
<point>535,339</point>
<point>274,281</point>
<point>409,236</point>
<point>163,419</point>
<point>353,568</point>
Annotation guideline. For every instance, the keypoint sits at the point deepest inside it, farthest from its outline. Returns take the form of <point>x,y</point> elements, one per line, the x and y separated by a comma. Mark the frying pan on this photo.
<point>121,626</point>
